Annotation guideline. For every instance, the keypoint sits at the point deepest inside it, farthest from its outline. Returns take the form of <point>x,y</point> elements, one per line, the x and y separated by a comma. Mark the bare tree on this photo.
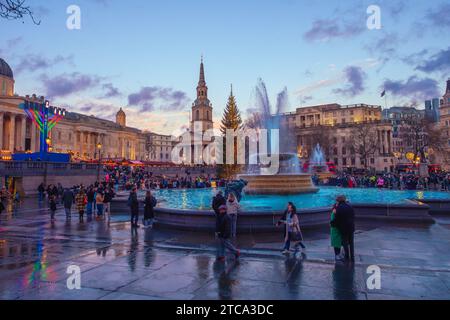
<point>364,142</point>
<point>16,10</point>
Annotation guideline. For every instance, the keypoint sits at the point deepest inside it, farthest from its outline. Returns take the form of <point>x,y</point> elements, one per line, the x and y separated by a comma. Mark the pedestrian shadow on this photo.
<point>344,285</point>
<point>224,273</point>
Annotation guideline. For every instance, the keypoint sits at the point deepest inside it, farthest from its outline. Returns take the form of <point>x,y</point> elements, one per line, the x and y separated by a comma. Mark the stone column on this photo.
<point>1,130</point>
<point>23,132</point>
<point>12,132</point>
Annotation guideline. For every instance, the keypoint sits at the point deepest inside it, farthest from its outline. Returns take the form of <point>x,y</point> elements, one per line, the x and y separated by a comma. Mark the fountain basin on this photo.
<point>279,184</point>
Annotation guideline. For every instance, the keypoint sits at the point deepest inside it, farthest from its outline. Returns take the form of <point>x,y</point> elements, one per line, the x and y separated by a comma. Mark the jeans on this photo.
<point>41,196</point>
<point>68,212</point>
<point>100,209</point>
<point>225,244</point>
<point>89,209</point>
<point>134,219</point>
<point>337,251</point>
<point>148,222</point>
<point>287,244</point>
<point>233,225</point>
<point>349,247</point>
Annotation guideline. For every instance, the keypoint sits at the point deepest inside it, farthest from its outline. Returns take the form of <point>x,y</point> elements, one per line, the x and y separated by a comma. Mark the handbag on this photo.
<point>296,235</point>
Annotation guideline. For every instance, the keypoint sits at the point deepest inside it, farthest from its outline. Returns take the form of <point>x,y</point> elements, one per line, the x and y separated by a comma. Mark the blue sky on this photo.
<point>321,51</point>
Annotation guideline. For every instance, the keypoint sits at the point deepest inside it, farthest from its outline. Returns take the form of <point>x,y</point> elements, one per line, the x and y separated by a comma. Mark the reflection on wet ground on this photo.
<point>117,263</point>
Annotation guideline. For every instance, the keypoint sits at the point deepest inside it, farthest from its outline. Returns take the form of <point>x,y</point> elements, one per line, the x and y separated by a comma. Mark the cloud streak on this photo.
<point>68,83</point>
<point>153,98</point>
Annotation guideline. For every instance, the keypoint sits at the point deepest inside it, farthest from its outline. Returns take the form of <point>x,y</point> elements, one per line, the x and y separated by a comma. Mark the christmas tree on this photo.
<point>231,120</point>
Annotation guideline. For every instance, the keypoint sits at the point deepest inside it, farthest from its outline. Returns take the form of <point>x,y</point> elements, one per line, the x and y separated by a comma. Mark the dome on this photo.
<point>5,69</point>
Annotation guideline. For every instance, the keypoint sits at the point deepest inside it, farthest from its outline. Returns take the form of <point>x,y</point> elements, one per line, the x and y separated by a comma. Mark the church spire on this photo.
<point>201,81</point>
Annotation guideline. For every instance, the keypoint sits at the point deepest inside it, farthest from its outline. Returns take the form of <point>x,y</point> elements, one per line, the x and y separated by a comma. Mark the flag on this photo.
<point>383,93</point>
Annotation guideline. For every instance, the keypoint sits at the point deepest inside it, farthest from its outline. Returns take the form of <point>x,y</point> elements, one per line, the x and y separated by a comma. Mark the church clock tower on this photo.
<point>202,107</point>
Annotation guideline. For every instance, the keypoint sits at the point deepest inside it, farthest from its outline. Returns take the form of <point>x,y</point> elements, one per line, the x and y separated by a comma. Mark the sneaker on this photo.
<point>338,258</point>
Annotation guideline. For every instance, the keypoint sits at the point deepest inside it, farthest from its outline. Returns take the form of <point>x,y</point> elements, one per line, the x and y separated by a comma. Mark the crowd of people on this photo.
<point>402,181</point>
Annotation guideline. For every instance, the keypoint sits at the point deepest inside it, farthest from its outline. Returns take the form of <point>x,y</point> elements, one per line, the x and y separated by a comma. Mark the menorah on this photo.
<point>44,117</point>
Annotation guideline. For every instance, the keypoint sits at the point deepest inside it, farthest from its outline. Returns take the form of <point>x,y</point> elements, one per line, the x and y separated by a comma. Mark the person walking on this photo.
<point>109,195</point>
<point>292,231</point>
<point>81,201</point>
<point>67,200</point>
<point>41,190</point>
<point>223,234</point>
<point>99,198</point>
<point>218,200</point>
<point>90,201</point>
<point>233,208</point>
<point>134,208</point>
<point>335,235</point>
<point>149,203</point>
<point>344,221</point>
<point>52,202</point>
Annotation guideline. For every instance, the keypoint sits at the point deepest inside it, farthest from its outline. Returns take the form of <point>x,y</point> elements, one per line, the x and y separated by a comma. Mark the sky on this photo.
<point>144,55</point>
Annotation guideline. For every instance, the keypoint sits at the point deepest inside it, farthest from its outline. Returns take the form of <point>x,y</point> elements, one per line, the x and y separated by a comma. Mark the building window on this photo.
<point>336,161</point>
<point>344,161</point>
<point>344,150</point>
<point>353,161</point>
<point>197,115</point>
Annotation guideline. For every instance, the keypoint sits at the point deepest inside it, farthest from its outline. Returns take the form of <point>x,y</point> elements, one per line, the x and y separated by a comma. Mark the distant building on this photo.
<point>332,126</point>
<point>158,147</point>
<point>444,124</point>
<point>432,111</point>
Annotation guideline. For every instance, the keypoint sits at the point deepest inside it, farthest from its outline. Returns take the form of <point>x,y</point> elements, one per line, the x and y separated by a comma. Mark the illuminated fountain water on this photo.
<point>288,179</point>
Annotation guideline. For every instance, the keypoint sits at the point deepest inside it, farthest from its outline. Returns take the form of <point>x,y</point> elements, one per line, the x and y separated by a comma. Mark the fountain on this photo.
<point>317,163</point>
<point>288,179</point>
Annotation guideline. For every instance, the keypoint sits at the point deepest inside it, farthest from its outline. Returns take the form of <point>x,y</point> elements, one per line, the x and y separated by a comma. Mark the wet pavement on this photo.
<point>117,263</point>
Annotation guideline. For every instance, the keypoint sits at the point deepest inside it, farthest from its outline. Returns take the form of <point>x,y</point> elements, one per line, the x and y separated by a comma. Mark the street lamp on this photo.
<point>99,147</point>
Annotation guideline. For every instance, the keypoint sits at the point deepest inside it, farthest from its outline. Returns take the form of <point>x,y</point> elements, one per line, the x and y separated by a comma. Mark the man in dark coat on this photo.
<point>345,222</point>
<point>218,200</point>
<point>67,200</point>
<point>134,208</point>
<point>223,233</point>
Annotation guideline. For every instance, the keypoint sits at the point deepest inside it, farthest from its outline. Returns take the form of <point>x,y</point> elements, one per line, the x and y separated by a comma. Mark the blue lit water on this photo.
<point>200,199</point>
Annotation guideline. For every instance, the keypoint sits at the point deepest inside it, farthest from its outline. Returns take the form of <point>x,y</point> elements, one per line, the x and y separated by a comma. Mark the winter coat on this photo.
<point>344,219</point>
<point>80,201</point>
<point>223,226</point>
<point>335,235</point>
<point>218,201</point>
<point>149,204</point>
<point>67,199</point>
<point>233,207</point>
<point>134,203</point>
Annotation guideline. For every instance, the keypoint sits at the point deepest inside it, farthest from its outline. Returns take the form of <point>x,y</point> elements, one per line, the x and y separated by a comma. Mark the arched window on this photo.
<point>207,115</point>
<point>197,115</point>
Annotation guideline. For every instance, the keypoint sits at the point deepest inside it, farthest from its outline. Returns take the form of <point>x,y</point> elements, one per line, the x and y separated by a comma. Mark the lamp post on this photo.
<point>99,148</point>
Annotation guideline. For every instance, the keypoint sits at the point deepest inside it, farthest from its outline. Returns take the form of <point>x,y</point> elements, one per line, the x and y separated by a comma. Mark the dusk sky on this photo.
<point>144,56</point>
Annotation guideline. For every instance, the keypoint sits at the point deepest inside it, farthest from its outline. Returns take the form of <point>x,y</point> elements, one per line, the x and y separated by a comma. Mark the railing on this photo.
<point>37,168</point>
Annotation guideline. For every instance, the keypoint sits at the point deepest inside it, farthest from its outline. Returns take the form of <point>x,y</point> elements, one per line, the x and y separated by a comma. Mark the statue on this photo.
<point>236,187</point>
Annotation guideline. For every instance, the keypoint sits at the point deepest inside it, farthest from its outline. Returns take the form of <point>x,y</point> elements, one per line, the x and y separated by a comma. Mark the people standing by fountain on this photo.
<point>133,203</point>
<point>149,203</point>
<point>218,200</point>
<point>335,235</point>
<point>233,208</point>
<point>292,231</point>
<point>345,222</point>
<point>224,233</point>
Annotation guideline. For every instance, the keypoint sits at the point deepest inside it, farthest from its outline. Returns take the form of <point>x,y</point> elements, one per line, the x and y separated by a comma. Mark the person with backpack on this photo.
<point>149,214</point>
<point>223,234</point>
<point>218,200</point>
<point>292,232</point>
<point>133,203</point>
<point>81,201</point>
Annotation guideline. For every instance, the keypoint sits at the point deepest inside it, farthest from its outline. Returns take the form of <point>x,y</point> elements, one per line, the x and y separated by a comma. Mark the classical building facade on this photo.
<point>336,127</point>
<point>159,147</point>
<point>85,137</point>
